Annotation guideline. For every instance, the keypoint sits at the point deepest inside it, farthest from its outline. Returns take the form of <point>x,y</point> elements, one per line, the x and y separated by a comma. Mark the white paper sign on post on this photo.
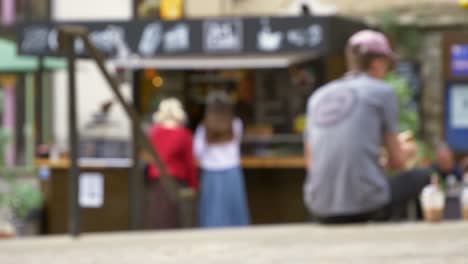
<point>459,107</point>
<point>91,190</point>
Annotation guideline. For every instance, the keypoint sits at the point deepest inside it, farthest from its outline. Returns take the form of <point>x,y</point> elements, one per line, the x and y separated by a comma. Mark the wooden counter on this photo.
<point>248,162</point>
<point>113,215</point>
<point>251,162</point>
<point>85,163</point>
<point>273,184</point>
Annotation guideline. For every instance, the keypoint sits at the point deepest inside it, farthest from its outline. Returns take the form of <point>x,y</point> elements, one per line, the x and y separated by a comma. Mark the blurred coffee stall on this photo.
<point>269,65</point>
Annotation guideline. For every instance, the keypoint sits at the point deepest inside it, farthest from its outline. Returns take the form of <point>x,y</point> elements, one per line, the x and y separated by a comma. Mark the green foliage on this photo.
<point>20,198</point>
<point>388,22</point>
<point>408,42</point>
<point>424,152</point>
<point>406,39</point>
<point>408,117</point>
<point>4,139</point>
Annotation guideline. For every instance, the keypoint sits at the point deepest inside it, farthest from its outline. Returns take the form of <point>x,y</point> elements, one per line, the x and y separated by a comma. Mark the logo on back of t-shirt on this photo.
<point>334,107</point>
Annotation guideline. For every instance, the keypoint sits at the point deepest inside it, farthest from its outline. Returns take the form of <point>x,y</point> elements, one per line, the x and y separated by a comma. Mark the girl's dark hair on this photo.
<point>218,118</point>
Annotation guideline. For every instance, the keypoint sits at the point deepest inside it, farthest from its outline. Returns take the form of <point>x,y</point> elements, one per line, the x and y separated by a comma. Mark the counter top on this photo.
<point>248,162</point>
<point>292,162</point>
<point>86,163</point>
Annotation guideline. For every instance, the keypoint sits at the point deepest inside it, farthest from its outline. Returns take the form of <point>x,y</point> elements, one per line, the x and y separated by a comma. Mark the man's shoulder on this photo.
<point>377,85</point>
<point>327,88</point>
<point>373,85</point>
<point>333,84</point>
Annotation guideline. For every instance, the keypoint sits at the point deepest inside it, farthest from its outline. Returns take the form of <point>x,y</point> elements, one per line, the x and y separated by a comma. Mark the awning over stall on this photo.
<point>11,62</point>
<point>216,62</point>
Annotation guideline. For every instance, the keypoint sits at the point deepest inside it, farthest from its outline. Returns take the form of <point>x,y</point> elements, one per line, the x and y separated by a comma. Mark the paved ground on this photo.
<point>397,243</point>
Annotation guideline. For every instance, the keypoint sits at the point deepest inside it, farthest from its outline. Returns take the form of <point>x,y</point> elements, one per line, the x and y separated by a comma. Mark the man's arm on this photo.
<point>307,155</point>
<point>395,159</point>
<point>391,141</point>
<point>307,136</point>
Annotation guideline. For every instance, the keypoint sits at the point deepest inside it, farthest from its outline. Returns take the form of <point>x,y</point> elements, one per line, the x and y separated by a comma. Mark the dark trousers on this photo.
<point>404,187</point>
<point>162,212</point>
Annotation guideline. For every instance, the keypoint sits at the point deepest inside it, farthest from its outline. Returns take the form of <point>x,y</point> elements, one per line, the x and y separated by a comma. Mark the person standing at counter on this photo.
<point>173,142</point>
<point>217,148</point>
<point>348,120</point>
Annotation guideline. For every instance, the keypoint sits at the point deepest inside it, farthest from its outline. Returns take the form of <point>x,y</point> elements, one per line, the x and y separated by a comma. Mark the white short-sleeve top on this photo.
<point>218,156</point>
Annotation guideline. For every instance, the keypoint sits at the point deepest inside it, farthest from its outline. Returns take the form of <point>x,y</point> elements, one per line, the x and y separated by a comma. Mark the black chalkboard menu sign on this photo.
<point>212,36</point>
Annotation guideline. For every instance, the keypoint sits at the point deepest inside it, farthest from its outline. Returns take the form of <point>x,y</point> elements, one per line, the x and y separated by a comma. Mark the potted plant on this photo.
<point>21,199</point>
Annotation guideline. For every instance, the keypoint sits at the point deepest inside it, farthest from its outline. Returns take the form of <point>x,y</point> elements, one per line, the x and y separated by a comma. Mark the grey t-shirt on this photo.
<point>346,121</point>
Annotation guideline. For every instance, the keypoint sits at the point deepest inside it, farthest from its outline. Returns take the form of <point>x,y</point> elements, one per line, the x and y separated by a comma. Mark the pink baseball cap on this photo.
<point>370,41</point>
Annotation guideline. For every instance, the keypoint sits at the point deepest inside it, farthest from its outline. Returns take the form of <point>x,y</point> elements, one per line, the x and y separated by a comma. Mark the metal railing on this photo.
<point>67,36</point>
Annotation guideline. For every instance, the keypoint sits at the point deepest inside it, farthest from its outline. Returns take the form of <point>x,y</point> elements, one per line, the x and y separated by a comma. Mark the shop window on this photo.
<point>237,83</point>
<point>270,102</point>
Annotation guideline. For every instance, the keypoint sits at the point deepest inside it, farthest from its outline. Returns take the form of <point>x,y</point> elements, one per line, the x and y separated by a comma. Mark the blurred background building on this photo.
<point>425,19</point>
<point>270,90</point>
<point>16,74</point>
<point>417,30</point>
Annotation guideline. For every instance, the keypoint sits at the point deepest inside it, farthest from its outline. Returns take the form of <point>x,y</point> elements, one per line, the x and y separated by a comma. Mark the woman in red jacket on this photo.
<point>173,143</point>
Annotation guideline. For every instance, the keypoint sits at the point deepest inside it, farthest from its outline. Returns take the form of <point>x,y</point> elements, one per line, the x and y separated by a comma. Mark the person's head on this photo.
<point>369,51</point>
<point>218,117</point>
<point>444,157</point>
<point>170,113</point>
<point>464,165</point>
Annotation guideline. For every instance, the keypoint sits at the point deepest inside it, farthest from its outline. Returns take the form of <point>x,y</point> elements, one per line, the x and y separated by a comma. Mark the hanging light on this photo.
<point>150,74</point>
<point>157,81</point>
<point>463,3</point>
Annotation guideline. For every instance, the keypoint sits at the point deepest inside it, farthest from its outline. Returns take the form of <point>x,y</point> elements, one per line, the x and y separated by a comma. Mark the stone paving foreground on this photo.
<point>396,243</point>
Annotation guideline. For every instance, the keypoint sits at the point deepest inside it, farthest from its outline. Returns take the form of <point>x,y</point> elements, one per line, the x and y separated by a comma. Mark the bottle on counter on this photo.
<point>464,197</point>
<point>452,197</point>
<point>433,201</point>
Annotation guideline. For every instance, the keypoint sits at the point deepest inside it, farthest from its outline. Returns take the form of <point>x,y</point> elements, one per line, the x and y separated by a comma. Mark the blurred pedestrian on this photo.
<point>445,164</point>
<point>348,120</point>
<point>464,166</point>
<point>217,148</point>
<point>173,143</point>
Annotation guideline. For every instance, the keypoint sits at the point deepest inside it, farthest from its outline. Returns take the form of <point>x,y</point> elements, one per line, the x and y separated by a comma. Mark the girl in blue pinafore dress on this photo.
<point>217,147</point>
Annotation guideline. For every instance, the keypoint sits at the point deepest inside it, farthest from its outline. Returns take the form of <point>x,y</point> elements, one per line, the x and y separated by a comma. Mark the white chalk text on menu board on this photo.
<point>222,35</point>
<point>207,36</point>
